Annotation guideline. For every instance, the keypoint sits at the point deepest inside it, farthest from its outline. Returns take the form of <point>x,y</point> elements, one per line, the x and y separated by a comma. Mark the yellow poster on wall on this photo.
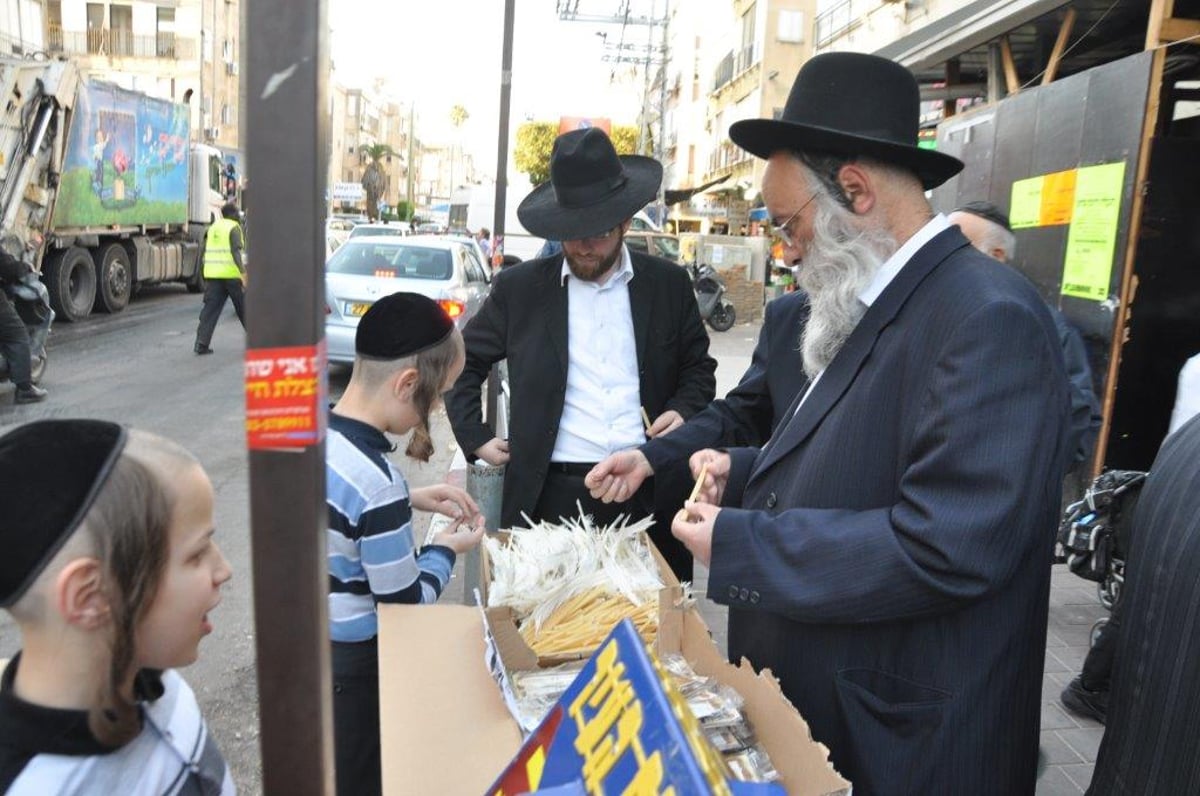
<point>1092,238</point>
<point>1025,209</point>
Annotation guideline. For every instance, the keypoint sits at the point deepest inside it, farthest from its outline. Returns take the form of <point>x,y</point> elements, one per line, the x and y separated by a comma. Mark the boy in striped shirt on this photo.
<point>408,353</point>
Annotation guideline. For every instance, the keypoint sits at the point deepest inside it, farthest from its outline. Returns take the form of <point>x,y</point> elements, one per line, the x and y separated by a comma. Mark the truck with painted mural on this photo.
<point>108,178</point>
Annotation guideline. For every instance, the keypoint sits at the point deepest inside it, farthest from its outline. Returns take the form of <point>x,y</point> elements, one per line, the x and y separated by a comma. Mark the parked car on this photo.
<point>367,268</point>
<point>337,230</point>
<point>471,241</point>
<point>660,244</point>
<point>430,228</point>
<point>386,230</point>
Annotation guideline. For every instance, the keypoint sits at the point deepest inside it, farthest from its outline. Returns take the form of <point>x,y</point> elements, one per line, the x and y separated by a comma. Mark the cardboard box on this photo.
<point>445,729</point>
<point>621,727</point>
<point>502,621</point>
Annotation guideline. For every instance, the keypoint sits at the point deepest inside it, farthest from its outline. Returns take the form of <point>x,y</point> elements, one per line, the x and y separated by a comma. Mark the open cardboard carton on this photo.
<point>445,728</point>
<point>503,622</point>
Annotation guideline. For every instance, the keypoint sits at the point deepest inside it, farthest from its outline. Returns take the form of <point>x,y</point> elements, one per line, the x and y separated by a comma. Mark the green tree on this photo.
<point>374,180</point>
<point>535,140</point>
<point>624,138</point>
<point>458,117</point>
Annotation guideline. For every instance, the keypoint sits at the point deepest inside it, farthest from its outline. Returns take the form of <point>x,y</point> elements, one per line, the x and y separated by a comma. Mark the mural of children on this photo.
<point>98,158</point>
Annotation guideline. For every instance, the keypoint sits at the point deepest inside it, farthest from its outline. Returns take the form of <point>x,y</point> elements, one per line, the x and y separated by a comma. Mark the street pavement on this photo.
<point>138,368</point>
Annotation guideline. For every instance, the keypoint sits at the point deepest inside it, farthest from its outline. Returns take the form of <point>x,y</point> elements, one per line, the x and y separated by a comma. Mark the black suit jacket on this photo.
<point>525,320</point>
<point>1152,738</point>
<point>752,409</point>
<point>890,559</point>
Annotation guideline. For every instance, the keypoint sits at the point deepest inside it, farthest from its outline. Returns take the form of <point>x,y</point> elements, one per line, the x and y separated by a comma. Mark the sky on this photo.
<point>448,52</point>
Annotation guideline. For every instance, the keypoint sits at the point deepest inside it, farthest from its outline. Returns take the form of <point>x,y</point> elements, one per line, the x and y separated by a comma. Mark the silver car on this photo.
<point>365,269</point>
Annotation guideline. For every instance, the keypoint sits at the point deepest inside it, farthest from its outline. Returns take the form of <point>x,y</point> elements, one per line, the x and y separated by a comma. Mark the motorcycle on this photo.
<point>32,302</point>
<point>715,309</point>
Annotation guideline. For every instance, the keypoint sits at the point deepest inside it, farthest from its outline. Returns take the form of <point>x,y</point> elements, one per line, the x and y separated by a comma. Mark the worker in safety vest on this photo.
<point>224,274</point>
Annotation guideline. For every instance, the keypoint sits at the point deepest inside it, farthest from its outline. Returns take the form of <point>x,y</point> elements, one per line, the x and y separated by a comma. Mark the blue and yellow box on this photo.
<point>621,728</point>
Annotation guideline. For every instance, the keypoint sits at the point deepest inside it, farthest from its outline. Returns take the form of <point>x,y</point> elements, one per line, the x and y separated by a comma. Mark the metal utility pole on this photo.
<point>288,126</point>
<point>661,149</point>
<point>646,56</point>
<point>412,110</point>
<point>502,134</point>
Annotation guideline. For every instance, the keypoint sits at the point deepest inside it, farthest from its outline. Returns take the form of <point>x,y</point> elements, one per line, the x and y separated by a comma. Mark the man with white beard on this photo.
<point>887,552</point>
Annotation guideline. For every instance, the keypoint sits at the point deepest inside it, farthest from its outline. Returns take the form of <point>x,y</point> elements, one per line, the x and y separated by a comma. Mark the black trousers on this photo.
<point>356,718</point>
<point>14,343</point>
<point>215,293</point>
<point>1098,665</point>
<point>561,491</point>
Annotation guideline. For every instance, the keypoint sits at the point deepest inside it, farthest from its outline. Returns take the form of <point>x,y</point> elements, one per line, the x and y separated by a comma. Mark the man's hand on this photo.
<point>616,478</point>
<point>494,451</point>
<point>449,501</point>
<point>461,537</point>
<point>693,526</point>
<point>665,423</point>
<point>716,466</point>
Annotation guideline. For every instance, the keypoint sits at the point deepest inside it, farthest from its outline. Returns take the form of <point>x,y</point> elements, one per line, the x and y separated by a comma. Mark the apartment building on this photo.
<point>186,51</point>
<point>22,27</point>
<point>360,118</point>
<point>748,77</point>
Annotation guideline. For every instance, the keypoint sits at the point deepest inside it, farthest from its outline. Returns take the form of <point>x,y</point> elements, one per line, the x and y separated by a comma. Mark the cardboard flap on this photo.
<point>433,684</point>
<point>803,767</point>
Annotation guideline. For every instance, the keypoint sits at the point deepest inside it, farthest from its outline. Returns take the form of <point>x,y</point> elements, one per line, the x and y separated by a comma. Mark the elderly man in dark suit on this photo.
<point>594,336</point>
<point>887,553</point>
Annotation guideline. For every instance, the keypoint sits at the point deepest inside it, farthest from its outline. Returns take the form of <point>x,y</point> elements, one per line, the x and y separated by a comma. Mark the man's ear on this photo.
<point>79,594</point>
<point>857,188</point>
<point>998,253</point>
<point>404,382</point>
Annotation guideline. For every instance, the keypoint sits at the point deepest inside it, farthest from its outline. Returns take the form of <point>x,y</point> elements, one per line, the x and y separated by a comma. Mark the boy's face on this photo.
<point>169,635</point>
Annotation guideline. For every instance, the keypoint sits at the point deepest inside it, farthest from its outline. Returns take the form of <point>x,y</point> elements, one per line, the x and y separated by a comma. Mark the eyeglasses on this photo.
<point>600,238</point>
<point>782,231</point>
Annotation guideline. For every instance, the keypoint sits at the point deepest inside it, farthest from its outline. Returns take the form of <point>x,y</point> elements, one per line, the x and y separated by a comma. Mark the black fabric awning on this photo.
<point>674,197</point>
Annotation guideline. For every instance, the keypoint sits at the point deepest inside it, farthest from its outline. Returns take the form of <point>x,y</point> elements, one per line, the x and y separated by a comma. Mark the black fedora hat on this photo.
<point>591,188</point>
<point>850,104</point>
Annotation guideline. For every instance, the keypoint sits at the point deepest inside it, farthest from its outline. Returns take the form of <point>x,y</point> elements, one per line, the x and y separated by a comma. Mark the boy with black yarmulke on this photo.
<point>407,353</point>
<point>111,571</point>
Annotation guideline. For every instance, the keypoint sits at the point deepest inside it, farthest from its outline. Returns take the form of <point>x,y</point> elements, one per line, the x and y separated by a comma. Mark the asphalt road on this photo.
<point>138,368</point>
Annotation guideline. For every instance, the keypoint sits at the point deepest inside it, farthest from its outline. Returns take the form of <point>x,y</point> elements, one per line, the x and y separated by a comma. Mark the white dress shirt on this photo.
<point>602,405</point>
<point>887,272</point>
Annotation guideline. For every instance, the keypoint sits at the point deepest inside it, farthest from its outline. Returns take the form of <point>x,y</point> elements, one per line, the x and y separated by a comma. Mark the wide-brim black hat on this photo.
<point>591,188</point>
<point>851,104</point>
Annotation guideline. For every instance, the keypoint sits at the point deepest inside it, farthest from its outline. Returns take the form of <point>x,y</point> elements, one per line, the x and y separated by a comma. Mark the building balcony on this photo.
<point>838,20</point>
<point>735,64</point>
<point>118,43</point>
<point>725,159</point>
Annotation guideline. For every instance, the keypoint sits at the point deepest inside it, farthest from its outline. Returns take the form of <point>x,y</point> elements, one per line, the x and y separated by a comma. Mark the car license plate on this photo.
<point>357,309</point>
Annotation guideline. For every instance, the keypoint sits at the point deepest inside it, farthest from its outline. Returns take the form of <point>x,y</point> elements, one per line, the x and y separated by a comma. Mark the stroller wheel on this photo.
<point>1109,591</point>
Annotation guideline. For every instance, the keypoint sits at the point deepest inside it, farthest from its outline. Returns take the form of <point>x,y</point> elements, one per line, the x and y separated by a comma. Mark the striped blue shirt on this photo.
<point>369,544</point>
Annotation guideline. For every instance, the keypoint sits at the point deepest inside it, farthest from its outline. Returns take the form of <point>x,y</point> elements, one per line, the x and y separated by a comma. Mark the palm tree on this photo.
<point>458,117</point>
<point>374,180</point>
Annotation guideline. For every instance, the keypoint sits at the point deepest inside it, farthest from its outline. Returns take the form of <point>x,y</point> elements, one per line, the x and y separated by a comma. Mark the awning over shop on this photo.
<point>674,197</point>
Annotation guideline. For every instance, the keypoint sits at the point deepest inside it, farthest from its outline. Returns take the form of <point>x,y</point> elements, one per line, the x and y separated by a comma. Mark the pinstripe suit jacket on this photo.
<point>1152,741</point>
<point>890,559</point>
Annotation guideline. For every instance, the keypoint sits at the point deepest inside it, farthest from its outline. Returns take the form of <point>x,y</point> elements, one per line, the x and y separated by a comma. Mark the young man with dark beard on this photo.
<point>887,552</point>
<point>594,336</point>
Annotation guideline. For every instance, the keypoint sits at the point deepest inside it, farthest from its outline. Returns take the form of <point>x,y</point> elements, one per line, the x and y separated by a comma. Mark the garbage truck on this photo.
<point>107,179</point>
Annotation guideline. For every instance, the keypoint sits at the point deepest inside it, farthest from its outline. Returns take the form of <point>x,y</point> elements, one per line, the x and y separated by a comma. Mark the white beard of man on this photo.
<point>840,261</point>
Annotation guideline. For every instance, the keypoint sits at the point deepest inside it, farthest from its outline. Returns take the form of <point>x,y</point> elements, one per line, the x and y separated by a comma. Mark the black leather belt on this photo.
<point>579,469</point>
